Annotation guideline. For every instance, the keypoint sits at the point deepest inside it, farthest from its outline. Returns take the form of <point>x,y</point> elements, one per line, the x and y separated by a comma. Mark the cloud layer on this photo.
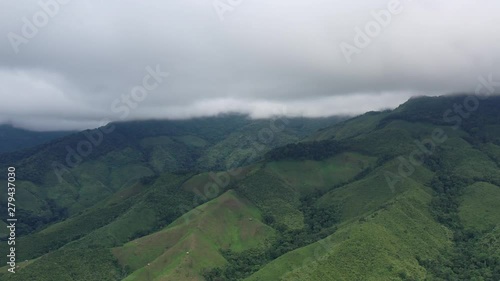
<point>82,62</point>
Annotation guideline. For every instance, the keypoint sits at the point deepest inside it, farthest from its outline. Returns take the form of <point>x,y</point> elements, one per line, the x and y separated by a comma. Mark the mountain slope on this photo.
<point>187,246</point>
<point>12,139</point>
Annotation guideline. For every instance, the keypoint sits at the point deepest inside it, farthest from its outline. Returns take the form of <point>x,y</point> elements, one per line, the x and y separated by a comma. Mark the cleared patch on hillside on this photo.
<point>192,243</point>
<point>310,175</point>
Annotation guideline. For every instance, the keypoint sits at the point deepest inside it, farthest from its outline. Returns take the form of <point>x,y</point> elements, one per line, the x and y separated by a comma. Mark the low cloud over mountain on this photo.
<point>78,64</point>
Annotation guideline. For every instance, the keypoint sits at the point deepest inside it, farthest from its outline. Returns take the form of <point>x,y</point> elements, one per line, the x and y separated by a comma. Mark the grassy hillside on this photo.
<point>382,245</point>
<point>479,209</point>
<point>185,248</point>
<point>59,182</point>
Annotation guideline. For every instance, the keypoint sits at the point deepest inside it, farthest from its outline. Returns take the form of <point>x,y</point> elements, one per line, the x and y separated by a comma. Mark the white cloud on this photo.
<point>265,56</point>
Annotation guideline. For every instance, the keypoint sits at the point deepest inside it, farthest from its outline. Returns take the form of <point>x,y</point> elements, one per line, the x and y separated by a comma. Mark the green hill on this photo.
<point>188,246</point>
<point>59,182</point>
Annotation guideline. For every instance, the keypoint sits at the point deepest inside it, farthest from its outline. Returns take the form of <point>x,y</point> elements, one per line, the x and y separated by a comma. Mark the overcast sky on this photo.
<point>73,65</point>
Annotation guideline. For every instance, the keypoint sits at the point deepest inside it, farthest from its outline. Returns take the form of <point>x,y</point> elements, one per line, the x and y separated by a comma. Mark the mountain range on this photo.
<point>13,139</point>
<point>406,194</point>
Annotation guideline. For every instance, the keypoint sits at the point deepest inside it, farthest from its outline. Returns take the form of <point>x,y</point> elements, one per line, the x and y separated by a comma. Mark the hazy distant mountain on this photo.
<point>12,139</point>
<point>405,194</point>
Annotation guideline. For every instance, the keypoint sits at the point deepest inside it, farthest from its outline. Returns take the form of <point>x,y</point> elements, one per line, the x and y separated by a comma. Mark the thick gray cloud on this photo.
<point>78,65</point>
